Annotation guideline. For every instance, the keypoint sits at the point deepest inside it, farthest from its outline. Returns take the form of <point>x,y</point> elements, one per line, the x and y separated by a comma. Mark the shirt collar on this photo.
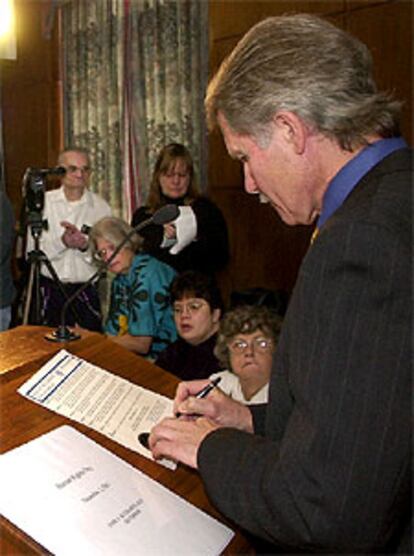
<point>353,171</point>
<point>86,196</point>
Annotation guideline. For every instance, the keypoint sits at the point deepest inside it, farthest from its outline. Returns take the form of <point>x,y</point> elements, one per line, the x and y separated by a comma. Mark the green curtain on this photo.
<point>135,77</point>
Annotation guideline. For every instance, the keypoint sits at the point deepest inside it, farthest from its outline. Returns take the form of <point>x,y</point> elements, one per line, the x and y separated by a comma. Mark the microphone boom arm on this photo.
<point>166,214</point>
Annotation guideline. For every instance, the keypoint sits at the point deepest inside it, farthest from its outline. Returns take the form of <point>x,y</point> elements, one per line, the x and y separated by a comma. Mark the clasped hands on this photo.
<point>179,439</point>
<point>73,237</point>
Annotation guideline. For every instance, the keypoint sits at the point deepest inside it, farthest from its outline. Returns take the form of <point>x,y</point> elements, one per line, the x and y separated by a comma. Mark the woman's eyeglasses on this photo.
<point>191,306</point>
<point>240,346</point>
<point>101,254</point>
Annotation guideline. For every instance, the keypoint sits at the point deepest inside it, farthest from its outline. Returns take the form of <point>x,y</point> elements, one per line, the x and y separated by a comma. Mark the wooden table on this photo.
<point>23,350</point>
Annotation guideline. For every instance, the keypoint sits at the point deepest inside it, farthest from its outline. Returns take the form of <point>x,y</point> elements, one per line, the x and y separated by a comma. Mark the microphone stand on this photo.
<point>63,333</point>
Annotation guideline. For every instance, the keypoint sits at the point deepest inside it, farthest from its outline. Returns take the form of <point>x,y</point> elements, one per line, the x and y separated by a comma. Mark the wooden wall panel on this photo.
<point>388,32</point>
<point>266,252</point>
<point>234,17</point>
<point>31,98</point>
<point>355,4</point>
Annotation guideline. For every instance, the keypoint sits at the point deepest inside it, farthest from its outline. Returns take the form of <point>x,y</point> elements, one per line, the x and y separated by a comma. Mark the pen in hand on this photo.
<point>204,392</point>
<point>144,436</point>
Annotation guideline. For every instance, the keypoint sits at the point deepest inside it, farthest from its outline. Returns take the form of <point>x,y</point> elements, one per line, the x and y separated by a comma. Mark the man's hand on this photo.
<point>180,438</point>
<point>72,237</point>
<point>217,407</point>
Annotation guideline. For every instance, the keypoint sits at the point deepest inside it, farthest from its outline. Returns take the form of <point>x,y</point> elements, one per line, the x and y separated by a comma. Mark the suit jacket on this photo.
<point>329,469</point>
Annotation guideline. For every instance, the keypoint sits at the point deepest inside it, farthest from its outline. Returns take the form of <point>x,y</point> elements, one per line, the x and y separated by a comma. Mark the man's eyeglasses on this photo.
<point>261,344</point>
<point>74,169</point>
<point>191,306</point>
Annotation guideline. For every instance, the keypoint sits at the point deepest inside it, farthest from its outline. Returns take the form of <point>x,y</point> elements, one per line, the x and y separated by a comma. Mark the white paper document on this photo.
<point>73,496</point>
<point>98,399</point>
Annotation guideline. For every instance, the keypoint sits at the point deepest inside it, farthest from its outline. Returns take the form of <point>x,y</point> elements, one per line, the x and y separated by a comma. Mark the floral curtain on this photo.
<point>93,99</point>
<point>135,77</point>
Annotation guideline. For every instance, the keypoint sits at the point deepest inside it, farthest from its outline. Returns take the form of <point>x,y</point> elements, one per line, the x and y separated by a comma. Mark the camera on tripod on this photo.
<point>33,189</point>
<point>34,186</point>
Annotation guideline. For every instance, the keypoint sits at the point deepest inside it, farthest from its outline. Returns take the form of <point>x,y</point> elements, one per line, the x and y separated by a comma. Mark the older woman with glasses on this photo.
<point>247,339</point>
<point>198,238</point>
<point>140,316</point>
<point>197,307</point>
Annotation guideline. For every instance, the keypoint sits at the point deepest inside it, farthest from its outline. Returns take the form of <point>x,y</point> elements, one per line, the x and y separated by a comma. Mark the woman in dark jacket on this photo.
<point>197,306</point>
<point>198,238</point>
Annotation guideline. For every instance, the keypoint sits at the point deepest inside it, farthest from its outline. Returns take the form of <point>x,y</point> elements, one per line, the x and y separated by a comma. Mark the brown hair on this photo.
<point>245,319</point>
<point>166,159</point>
<point>193,283</point>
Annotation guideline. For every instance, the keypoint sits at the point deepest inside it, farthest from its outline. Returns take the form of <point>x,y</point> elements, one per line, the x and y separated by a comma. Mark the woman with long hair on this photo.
<point>198,238</point>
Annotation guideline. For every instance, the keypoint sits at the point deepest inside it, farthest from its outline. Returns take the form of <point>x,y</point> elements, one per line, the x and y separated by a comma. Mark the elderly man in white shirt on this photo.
<point>69,211</point>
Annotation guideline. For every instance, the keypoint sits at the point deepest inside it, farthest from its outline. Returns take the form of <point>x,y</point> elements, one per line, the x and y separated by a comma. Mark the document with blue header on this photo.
<point>99,399</point>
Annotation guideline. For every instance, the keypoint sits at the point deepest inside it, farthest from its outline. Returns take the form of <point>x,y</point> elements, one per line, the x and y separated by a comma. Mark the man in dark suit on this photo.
<point>325,467</point>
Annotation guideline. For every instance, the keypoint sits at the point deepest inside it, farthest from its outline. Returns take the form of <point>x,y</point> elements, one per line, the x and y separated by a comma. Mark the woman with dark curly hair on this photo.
<point>247,339</point>
<point>197,307</point>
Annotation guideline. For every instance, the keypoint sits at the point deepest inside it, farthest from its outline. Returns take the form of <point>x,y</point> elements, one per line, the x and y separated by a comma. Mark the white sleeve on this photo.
<point>186,229</point>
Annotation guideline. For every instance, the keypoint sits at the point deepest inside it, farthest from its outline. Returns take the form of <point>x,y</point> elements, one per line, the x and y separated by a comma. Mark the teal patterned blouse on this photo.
<point>140,303</point>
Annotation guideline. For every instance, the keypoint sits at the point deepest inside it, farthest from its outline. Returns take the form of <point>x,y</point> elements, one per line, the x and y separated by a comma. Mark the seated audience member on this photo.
<point>246,342</point>
<point>197,307</point>
<point>68,211</point>
<point>140,315</point>
<point>198,238</point>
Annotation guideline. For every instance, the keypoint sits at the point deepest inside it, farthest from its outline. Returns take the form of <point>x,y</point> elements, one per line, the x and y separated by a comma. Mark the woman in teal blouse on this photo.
<point>140,315</point>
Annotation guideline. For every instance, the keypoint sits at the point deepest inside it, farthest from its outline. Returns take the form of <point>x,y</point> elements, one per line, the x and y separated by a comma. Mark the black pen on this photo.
<point>203,392</point>
<point>143,437</point>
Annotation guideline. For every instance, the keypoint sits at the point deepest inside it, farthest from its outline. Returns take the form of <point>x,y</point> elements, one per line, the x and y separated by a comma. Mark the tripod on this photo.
<point>36,257</point>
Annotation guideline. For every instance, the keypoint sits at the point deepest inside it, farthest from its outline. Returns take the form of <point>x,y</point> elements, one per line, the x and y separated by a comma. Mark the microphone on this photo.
<point>162,216</point>
<point>165,214</point>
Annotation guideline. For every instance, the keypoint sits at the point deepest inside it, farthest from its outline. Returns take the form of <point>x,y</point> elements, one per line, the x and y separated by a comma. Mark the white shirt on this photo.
<point>230,385</point>
<point>71,265</point>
